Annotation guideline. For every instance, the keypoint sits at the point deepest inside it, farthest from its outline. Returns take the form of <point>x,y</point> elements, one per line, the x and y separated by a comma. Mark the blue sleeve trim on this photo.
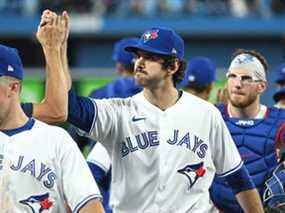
<point>232,170</point>
<point>97,172</point>
<point>82,203</point>
<point>240,180</point>
<point>28,109</point>
<point>81,111</point>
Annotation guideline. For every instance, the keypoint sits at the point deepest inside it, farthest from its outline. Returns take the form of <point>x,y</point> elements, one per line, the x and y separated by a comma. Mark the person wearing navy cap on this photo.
<point>200,77</point>
<point>165,145</point>
<point>124,86</point>
<point>11,64</point>
<point>124,60</point>
<point>279,95</point>
<point>39,163</point>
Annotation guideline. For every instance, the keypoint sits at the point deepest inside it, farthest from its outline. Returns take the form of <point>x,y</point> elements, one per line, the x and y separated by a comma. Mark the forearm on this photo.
<point>250,201</point>
<point>53,108</point>
<point>64,60</point>
<point>244,189</point>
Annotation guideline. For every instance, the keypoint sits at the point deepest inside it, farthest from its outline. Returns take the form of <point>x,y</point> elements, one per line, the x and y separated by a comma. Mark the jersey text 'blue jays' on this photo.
<point>150,139</point>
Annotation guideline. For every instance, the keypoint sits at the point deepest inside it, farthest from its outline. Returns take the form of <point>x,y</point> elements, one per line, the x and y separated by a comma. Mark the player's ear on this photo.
<point>261,87</point>
<point>15,87</point>
<point>173,66</point>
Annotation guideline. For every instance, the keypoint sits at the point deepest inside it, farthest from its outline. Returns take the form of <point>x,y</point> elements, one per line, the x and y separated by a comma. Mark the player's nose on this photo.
<point>140,60</point>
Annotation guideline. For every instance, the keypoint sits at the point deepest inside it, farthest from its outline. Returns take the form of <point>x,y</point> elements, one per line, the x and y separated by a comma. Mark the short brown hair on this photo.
<point>254,53</point>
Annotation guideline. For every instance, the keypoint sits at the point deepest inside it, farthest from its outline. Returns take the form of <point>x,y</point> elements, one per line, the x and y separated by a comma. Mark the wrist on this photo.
<point>51,49</point>
<point>63,47</point>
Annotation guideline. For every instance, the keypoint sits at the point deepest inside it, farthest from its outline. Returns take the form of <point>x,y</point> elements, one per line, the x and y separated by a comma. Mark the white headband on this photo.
<point>250,63</point>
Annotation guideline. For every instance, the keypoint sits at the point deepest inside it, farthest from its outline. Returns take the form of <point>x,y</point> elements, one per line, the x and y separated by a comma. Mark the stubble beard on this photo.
<point>245,103</point>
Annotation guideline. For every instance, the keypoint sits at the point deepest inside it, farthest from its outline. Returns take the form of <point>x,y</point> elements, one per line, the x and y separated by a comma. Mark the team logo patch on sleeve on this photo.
<point>193,172</point>
<point>38,203</point>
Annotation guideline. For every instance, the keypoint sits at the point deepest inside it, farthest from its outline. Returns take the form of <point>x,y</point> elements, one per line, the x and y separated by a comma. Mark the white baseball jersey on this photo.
<point>41,168</point>
<point>164,161</point>
<point>100,157</point>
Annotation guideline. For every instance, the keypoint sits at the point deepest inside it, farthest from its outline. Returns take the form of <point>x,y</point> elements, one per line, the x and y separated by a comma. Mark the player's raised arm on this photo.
<point>64,59</point>
<point>52,34</point>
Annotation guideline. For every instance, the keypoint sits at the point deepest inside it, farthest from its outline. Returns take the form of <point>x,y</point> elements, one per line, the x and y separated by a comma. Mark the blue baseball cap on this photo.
<point>279,94</point>
<point>163,41</point>
<point>280,72</point>
<point>119,52</point>
<point>200,71</point>
<point>10,63</point>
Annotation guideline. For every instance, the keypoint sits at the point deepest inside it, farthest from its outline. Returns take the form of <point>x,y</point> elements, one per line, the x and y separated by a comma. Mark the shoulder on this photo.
<point>276,112</point>
<point>126,101</point>
<point>49,131</point>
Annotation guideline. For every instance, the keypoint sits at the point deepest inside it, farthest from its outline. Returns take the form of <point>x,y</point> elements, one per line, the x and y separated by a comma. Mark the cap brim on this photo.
<point>134,48</point>
<point>279,95</point>
<point>280,81</point>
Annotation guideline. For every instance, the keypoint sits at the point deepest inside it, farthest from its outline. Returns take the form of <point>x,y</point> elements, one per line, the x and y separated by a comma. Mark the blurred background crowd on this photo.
<point>150,8</point>
<point>210,28</point>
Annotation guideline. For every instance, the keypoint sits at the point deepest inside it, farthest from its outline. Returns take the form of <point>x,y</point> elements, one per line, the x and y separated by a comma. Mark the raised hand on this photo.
<point>52,30</point>
<point>66,21</point>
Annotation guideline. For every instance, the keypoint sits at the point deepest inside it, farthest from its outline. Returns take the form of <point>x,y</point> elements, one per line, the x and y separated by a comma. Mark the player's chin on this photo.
<point>238,102</point>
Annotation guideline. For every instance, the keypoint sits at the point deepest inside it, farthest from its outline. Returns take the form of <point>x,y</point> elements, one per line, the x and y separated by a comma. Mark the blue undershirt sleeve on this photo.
<point>27,108</point>
<point>81,111</point>
<point>240,180</point>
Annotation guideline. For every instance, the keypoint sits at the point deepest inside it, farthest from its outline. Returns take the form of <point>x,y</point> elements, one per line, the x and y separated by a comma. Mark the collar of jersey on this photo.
<point>157,109</point>
<point>260,115</point>
<point>27,126</point>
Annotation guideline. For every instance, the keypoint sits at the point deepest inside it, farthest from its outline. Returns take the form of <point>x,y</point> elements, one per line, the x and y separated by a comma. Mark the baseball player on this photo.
<point>279,95</point>
<point>39,164</point>
<point>99,160</point>
<point>165,145</point>
<point>257,130</point>
<point>125,85</point>
<point>199,77</point>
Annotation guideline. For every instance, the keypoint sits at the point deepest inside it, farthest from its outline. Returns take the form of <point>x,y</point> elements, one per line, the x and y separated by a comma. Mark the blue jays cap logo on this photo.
<point>38,203</point>
<point>193,172</point>
<point>150,35</point>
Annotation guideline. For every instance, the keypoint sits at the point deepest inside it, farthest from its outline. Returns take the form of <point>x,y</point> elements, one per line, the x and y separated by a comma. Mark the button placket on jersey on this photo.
<point>162,151</point>
<point>4,152</point>
<point>4,147</point>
